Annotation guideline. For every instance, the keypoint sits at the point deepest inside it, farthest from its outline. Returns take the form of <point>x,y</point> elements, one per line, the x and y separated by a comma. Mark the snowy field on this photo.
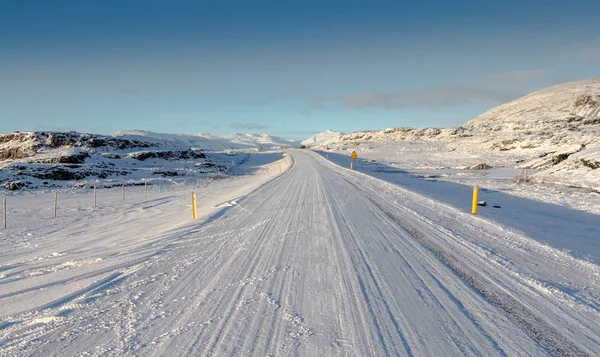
<point>434,161</point>
<point>294,254</point>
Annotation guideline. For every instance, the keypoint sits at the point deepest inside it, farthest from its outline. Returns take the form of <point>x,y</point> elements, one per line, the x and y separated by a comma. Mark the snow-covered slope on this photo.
<point>214,142</point>
<point>555,130</point>
<point>56,159</point>
<point>257,140</point>
<point>553,107</point>
<point>321,137</point>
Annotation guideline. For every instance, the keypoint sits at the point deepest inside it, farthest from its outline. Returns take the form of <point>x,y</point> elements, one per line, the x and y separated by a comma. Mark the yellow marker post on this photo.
<point>4,210</point>
<point>194,208</point>
<point>475,199</point>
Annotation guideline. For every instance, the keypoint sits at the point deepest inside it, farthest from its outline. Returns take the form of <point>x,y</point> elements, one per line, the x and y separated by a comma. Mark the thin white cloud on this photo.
<point>590,50</point>
<point>450,95</point>
<point>522,74</point>
<point>313,100</point>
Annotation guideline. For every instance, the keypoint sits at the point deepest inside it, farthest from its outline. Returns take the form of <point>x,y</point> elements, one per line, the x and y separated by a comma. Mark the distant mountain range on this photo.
<point>215,142</point>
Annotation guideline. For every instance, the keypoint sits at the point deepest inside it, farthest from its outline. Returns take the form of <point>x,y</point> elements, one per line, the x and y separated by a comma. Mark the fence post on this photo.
<point>55,203</point>
<point>173,184</point>
<point>145,188</point>
<point>4,211</point>
<point>94,195</point>
<point>123,193</point>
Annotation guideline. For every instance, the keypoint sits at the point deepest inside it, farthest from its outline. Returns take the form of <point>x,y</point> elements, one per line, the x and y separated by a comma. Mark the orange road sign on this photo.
<point>354,155</point>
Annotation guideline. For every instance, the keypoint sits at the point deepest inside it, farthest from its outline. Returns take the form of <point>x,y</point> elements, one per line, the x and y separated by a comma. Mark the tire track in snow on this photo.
<point>525,317</point>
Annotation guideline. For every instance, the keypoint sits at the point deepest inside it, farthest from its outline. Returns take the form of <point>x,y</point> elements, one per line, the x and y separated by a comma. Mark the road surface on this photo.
<point>318,261</point>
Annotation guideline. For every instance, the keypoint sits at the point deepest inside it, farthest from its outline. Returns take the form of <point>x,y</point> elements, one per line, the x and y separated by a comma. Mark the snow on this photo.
<point>51,160</point>
<point>295,254</point>
<point>214,142</point>
<point>292,255</point>
<point>562,218</point>
<point>555,130</point>
<point>320,137</point>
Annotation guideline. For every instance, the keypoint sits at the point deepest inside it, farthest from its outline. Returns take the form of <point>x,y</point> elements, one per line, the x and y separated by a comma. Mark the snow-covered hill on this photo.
<point>214,142</point>
<point>257,140</point>
<point>555,130</point>
<point>57,159</point>
<point>560,106</point>
<point>321,137</point>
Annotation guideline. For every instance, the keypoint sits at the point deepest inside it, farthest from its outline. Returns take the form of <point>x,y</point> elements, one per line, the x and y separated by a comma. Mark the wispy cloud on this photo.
<point>248,126</point>
<point>256,102</point>
<point>522,74</point>
<point>590,50</point>
<point>316,101</point>
<point>299,132</point>
<point>313,100</point>
<point>450,95</point>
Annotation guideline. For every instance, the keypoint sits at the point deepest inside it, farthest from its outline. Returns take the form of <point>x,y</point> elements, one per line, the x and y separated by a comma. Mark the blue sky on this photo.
<point>286,68</point>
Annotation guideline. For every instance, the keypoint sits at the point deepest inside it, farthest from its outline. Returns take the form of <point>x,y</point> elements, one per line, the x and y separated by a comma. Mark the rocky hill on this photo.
<point>56,159</point>
<point>555,130</point>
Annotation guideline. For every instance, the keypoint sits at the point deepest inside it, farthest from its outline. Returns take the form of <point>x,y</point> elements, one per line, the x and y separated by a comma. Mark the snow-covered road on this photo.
<point>317,261</point>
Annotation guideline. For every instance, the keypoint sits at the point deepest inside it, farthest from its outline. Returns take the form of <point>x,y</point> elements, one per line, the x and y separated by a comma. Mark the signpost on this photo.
<point>354,157</point>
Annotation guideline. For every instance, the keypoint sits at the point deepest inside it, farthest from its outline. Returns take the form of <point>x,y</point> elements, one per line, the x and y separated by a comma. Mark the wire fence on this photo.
<point>21,208</point>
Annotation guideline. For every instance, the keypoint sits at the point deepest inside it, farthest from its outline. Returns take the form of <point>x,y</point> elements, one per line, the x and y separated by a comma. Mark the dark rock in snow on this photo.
<point>482,166</point>
<point>13,186</point>
<point>591,164</point>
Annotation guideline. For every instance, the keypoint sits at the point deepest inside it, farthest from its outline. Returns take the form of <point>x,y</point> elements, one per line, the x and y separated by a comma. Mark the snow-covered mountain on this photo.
<point>555,130</point>
<point>321,137</point>
<point>215,142</point>
<point>257,140</point>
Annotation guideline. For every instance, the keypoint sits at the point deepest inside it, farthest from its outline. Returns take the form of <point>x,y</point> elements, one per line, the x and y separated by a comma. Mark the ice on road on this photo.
<point>318,261</point>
